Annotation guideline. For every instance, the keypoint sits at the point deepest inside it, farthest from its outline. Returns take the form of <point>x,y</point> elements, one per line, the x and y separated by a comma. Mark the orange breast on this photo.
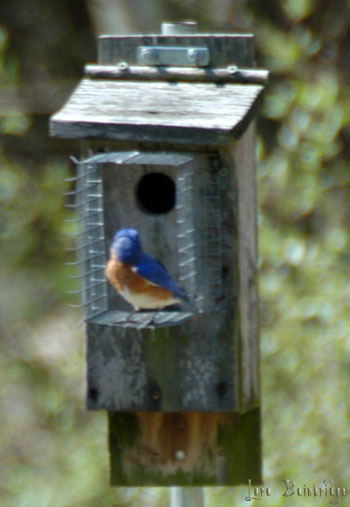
<point>126,281</point>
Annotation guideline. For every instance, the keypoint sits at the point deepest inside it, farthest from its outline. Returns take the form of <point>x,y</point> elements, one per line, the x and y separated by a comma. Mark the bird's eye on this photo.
<point>155,193</point>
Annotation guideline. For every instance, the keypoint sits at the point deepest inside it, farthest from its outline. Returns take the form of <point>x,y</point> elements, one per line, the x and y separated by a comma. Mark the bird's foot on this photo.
<point>145,320</point>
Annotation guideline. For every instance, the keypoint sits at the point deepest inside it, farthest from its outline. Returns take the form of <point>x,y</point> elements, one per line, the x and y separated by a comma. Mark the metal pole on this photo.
<point>186,497</point>
<point>183,496</point>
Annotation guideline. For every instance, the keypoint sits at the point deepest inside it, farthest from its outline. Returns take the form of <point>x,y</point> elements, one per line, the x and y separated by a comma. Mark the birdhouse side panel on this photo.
<point>241,156</point>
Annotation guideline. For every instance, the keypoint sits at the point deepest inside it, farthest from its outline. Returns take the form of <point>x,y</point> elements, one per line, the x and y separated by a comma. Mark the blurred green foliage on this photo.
<point>53,452</point>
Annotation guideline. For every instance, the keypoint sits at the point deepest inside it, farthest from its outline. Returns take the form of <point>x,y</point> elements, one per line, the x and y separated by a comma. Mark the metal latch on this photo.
<point>177,56</point>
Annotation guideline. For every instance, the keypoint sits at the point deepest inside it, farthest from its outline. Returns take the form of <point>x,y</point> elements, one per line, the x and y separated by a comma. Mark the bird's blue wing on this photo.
<point>154,272</point>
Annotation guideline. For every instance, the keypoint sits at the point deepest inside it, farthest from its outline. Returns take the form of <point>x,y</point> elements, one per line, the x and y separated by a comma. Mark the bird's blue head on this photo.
<point>127,246</point>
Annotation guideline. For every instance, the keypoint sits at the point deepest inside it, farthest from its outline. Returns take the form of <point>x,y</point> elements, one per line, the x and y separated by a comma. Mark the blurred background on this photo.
<point>52,451</point>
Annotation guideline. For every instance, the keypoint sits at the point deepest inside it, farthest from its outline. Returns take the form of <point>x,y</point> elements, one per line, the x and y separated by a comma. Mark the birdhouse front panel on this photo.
<point>182,206</point>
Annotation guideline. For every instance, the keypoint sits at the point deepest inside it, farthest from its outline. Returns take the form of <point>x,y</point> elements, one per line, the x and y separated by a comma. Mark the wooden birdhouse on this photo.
<point>168,149</point>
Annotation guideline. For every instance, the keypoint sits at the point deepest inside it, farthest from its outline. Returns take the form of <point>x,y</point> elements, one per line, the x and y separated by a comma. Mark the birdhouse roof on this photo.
<point>164,111</point>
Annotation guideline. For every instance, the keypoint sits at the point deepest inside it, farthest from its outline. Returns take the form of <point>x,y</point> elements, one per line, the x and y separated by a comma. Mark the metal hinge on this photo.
<point>177,56</point>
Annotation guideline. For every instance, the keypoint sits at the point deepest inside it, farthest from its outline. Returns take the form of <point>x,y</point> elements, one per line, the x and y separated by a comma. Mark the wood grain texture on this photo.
<point>185,449</point>
<point>242,157</point>
<point>189,367</point>
<point>200,113</point>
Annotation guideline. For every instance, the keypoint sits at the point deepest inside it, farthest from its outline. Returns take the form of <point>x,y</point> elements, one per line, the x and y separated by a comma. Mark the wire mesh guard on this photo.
<point>198,222</point>
<point>199,236</point>
<point>90,240</point>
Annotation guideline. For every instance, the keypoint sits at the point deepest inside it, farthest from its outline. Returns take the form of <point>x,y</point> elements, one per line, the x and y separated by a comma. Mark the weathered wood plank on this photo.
<point>190,367</point>
<point>242,157</point>
<point>149,111</point>
<point>176,104</point>
<point>185,449</point>
<point>194,75</point>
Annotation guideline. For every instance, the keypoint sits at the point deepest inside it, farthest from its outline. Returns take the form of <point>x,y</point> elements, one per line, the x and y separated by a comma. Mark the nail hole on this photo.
<point>224,271</point>
<point>221,389</point>
<point>93,393</point>
<point>155,394</point>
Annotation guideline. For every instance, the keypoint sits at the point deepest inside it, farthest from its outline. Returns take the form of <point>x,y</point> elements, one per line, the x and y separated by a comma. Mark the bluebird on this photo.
<point>139,278</point>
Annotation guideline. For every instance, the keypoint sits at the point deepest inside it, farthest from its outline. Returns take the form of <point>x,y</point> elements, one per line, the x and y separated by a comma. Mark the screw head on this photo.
<point>147,55</point>
<point>122,66</point>
<point>193,55</point>
<point>232,69</point>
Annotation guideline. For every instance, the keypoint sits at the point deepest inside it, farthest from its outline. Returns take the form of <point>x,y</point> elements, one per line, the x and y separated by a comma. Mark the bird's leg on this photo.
<point>154,313</point>
<point>151,314</point>
<point>135,310</point>
<point>128,317</point>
